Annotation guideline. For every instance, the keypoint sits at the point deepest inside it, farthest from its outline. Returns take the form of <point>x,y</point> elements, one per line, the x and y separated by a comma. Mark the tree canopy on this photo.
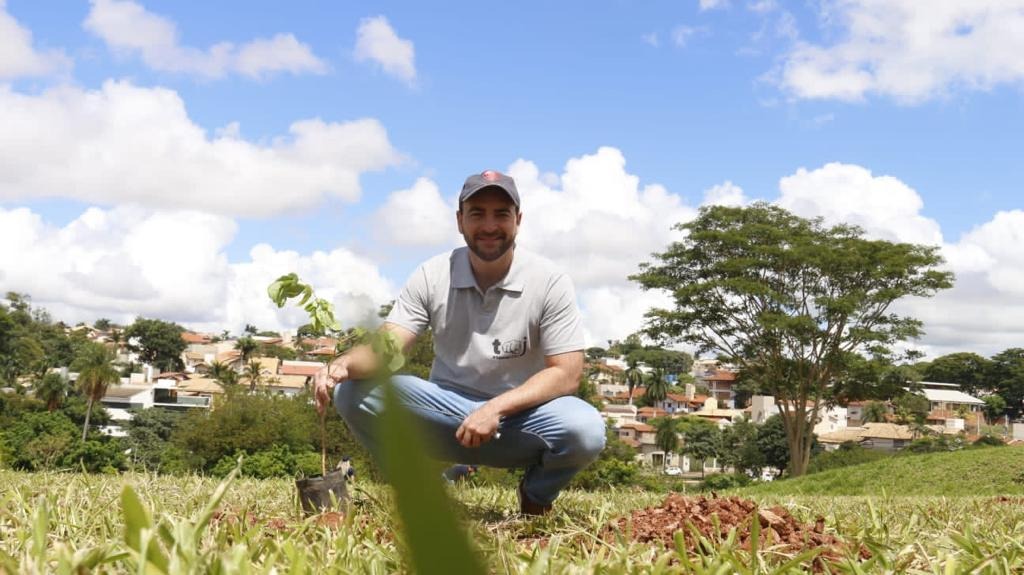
<point>157,342</point>
<point>969,370</point>
<point>788,300</point>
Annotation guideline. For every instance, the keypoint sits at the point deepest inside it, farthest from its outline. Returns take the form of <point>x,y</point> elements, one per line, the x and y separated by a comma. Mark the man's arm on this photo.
<point>561,376</point>
<point>357,363</point>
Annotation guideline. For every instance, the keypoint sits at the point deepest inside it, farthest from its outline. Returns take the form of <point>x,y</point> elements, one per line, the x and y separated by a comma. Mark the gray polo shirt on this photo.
<point>489,342</point>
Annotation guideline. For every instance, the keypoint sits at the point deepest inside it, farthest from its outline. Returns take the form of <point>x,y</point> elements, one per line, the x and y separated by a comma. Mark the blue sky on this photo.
<point>155,143</point>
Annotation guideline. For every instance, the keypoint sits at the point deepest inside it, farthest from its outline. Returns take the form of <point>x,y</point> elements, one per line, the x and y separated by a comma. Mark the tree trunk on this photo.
<point>799,447</point>
<point>88,414</point>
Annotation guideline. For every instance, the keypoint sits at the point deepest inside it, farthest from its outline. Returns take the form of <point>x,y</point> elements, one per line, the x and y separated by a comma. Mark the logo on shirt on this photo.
<point>509,349</point>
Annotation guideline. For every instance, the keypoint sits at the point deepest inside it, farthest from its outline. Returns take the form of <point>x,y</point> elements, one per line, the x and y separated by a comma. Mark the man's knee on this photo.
<point>584,434</point>
<point>349,398</point>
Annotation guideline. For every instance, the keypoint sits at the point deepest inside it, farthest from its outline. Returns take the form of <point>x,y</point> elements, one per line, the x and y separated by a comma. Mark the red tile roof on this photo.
<point>636,425</point>
<point>299,369</point>
<point>191,337</point>
<point>322,351</point>
<point>719,375</point>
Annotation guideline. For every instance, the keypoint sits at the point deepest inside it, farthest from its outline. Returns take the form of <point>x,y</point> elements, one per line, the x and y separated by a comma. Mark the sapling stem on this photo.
<point>323,443</point>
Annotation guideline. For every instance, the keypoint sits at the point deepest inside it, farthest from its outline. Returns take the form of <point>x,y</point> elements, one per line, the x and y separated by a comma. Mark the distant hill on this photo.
<point>985,471</point>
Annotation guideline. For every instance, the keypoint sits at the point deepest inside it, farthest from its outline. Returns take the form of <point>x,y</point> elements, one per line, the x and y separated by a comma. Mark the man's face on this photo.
<point>489,222</point>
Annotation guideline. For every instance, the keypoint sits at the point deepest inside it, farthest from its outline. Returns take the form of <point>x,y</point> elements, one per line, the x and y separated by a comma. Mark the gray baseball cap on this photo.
<point>489,179</point>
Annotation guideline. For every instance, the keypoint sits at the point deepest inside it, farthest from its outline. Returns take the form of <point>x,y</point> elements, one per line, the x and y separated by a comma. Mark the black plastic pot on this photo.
<point>315,493</point>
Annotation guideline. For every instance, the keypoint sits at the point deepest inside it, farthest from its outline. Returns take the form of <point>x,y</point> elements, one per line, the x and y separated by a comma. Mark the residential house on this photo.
<point>873,435</point>
<point>619,413</point>
<point>198,391</point>
<point>719,383</point>
<point>641,437</point>
<point>829,418</point>
<point>305,369</point>
<point>948,397</point>
<point>623,396</point>
<point>285,384</point>
<point>682,403</point>
<point>609,379</point>
<point>645,414</point>
<point>723,417</point>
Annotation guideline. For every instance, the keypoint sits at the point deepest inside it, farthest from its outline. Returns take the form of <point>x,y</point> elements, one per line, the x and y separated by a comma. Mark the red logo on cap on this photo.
<point>490,175</point>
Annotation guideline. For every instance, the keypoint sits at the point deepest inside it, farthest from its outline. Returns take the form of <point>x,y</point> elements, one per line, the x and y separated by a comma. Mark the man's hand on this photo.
<point>325,380</point>
<point>479,427</point>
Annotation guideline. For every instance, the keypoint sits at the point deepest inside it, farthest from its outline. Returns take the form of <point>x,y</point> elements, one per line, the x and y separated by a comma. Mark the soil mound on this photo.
<point>714,517</point>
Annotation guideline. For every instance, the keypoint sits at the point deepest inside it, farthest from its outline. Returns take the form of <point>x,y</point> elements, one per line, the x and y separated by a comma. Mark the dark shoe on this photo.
<point>527,506</point>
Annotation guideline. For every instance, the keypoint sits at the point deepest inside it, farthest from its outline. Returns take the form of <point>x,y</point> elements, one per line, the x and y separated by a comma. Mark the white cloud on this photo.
<point>128,28</point>
<point>725,194</point>
<point>651,39</point>
<point>594,220</point>
<point>713,4</point>
<point>883,205</point>
<point>984,310</point>
<point>129,262</point>
<point>910,50</point>
<point>377,42</point>
<point>682,34</point>
<point>126,144</point>
<point>599,224</point>
<point>763,6</point>
<point>18,57</point>
<point>418,216</point>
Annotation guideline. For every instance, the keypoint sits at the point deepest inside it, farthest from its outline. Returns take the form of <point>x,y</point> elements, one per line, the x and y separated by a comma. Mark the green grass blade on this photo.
<point>436,541</point>
<point>138,531</point>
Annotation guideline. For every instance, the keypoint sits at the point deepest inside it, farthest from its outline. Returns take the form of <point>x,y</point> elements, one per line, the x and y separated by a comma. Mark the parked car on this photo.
<point>673,470</point>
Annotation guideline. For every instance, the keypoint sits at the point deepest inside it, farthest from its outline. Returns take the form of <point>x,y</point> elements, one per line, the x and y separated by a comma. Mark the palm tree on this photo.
<point>52,389</point>
<point>96,372</point>
<point>634,377</point>
<point>247,346</point>
<point>875,412</point>
<point>665,437</point>
<point>657,387</point>
<point>253,373</point>
<point>223,373</point>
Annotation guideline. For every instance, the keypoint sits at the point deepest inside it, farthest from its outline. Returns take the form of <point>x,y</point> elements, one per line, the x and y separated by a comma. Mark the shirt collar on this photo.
<point>462,272</point>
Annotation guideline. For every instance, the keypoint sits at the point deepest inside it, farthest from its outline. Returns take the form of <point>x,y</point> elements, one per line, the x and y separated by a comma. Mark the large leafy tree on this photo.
<point>96,372</point>
<point>702,442</point>
<point>157,342</point>
<point>970,370</point>
<point>788,300</point>
<point>739,447</point>
<point>1008,378</point>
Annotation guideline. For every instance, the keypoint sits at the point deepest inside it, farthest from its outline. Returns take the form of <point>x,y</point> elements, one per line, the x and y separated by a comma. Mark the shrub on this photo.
<point>988,440</point>
<point>722,481</point>
<point>845,456</point>
<point>605,473</point>
<point>278,461</point>
<point>103,455</point>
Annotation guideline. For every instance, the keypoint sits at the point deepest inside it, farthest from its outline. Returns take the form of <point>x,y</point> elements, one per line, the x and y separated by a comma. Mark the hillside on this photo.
<point>989,471</point>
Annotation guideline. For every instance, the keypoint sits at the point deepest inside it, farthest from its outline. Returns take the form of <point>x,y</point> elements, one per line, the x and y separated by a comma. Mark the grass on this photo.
<point>74,523</point>
<point>986,471</point>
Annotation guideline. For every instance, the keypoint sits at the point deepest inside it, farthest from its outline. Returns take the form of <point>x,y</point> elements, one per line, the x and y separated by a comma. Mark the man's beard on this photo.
<point>489,255</point>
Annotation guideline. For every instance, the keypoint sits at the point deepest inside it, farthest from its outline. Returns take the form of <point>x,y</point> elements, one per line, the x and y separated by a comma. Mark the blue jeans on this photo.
<point>554,441</point>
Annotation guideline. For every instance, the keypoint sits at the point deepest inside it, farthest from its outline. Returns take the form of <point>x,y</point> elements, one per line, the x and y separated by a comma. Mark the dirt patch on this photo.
<point>714,517</point>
